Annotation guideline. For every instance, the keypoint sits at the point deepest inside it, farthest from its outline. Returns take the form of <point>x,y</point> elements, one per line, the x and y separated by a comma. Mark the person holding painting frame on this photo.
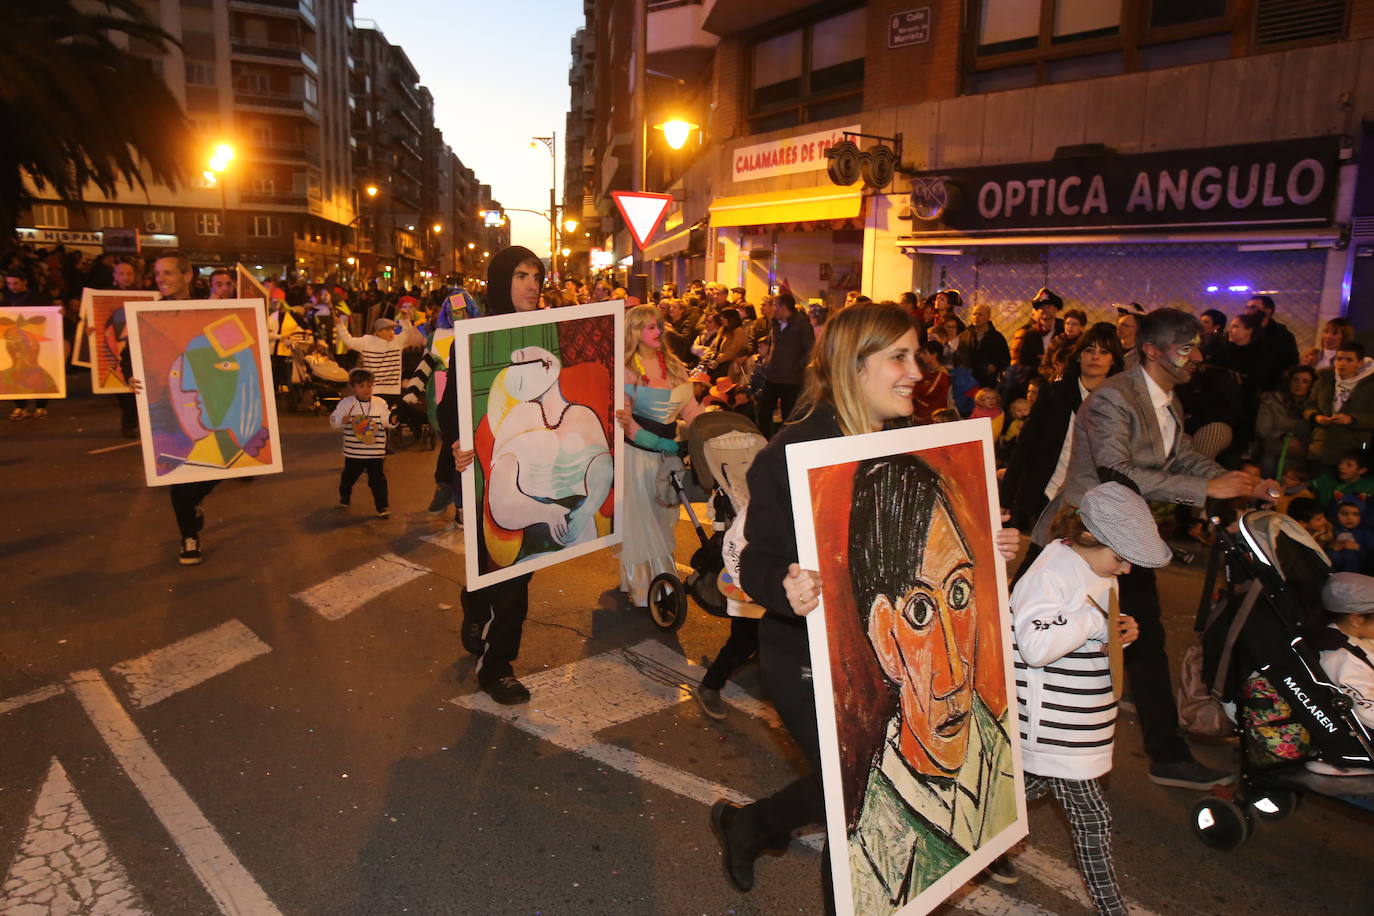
<point>860,380</point>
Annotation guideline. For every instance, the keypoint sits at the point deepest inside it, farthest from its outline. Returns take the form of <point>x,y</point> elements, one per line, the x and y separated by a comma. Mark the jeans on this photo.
<point>186,498</point>
<point>376,479</point>
<point>499,611</point>
<point>742,645</point>
<point>773,395</point>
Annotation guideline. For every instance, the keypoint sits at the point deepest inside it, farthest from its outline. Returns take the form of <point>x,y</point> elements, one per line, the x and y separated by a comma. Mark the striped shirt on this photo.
<point>1063,677</point>
<point>380,357</point>
<point>364,425</point>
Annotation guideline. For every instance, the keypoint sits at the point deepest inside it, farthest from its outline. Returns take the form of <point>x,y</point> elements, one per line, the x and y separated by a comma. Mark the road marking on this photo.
<point>113,448</point>
<point>64,865</point>
<point>572,703</point>
<point>219,870</point>
<point>1063,877</point>
<point>451,539</point>
<point>340,596</point>
<point>33,696</point>
<point>188,662</point>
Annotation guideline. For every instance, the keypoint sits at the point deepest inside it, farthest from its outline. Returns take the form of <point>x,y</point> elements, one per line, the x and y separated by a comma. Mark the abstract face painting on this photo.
<point>32,359</point>
<point>208,400</point>
<point>539,408</point>
<point>912,661</point>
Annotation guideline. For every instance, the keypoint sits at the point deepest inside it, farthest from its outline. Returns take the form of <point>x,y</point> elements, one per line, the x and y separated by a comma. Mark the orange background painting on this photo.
<point>863,702</point>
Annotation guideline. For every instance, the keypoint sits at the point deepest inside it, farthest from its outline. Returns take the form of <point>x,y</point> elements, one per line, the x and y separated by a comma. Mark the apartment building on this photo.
<point>1167,152</point>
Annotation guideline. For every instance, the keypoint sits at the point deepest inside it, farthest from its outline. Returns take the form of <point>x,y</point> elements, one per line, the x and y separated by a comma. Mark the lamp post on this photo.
<point>219,163</point>
<point>551,142</point>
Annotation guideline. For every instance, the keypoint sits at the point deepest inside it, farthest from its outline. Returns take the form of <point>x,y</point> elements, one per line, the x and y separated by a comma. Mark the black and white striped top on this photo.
<point>1063,677</point>
<point>364,425</point>
<point>380,357</point>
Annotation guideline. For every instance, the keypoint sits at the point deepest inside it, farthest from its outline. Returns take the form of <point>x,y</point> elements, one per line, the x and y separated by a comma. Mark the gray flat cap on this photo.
<point>383,324</point>
<point>1117,516</point>
<point>1348,593</point>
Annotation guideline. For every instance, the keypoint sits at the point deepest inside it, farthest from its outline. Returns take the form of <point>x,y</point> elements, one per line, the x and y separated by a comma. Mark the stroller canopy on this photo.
<point>1261,531</point>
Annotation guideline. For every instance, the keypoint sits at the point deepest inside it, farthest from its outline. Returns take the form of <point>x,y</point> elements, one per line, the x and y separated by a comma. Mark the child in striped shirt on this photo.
<point>1068,667</point>
<point>364,419</point>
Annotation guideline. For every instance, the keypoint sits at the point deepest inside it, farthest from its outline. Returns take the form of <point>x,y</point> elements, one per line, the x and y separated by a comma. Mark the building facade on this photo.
<point>1170,153</point>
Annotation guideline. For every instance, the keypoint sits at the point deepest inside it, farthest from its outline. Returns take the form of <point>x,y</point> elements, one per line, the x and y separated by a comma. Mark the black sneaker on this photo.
<point>190,552</point>
<point>1188,774</point>
<point>737,852</point>
<point>443,495</point>
<point>1003,870</point>
<point>710,702</point>
<point>507,691</point>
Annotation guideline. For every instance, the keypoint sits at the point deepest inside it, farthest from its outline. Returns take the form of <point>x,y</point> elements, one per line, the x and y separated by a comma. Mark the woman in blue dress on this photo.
<point>657,393</point>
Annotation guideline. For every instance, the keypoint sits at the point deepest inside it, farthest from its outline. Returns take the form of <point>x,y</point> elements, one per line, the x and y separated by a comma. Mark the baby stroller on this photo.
<point>1261,657</point>
<point>317,382</point>
<point>721,446</point>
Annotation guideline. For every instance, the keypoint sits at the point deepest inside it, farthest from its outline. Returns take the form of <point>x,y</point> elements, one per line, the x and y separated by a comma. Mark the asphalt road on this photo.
<point>244,735</point>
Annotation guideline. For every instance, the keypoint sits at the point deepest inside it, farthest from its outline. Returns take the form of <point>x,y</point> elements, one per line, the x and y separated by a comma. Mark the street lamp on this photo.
<point>676,132</point>
<point>570,225</point>
<point>219,163</point>
<point>551,142</point>
<point>371,190</point>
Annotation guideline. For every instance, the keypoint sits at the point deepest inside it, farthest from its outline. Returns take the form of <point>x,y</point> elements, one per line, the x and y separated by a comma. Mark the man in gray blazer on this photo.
<point>1132,426</point>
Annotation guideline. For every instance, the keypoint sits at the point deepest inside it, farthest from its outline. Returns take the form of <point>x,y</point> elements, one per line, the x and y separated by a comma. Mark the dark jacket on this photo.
<point>987,357</point>
<point>768,527</point>
<point>791,350</point>
<point>1028,344</point>
<point>1037,451</point>
<point>1278,352</point>
<point>1330,442</point>
<point>681,334</point>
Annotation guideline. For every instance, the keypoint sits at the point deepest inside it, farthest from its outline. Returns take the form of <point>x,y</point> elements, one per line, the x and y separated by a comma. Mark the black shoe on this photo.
<point>1003,870</point>
<point>471,636</point>
<point>190,552</point>
<point>507,691</point>
<point>1188,774</point>
<point>443,495</point>
<point>737,853</point>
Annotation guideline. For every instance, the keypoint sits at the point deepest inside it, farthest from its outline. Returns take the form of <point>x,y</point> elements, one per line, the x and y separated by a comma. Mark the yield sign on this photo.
<point>642,211</point>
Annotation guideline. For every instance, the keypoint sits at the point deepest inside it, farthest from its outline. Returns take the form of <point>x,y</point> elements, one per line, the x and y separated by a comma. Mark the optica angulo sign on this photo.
<point>1289,181</point>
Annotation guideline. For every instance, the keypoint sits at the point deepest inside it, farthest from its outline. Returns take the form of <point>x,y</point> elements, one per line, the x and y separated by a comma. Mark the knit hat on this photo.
<point>1120,519</point>
<point>1348,593</point>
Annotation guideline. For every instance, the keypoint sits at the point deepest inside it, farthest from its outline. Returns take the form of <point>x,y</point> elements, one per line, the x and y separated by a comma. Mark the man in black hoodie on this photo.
<point>494,617</point>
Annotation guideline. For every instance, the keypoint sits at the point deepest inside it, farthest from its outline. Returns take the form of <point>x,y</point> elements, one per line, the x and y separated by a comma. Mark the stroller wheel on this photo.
<point>667,602</point>
<point>1276,804</point>
<point>1222,824</point>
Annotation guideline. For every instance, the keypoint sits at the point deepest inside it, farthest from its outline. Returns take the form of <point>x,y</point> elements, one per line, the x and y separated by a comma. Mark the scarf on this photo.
<point>1345,387</point>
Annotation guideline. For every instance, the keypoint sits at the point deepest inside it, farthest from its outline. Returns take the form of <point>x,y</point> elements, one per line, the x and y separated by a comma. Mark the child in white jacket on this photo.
<point>1068,667</point>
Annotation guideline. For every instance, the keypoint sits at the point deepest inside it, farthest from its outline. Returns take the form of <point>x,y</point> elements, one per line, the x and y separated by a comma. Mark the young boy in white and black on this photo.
<point>364,419</point>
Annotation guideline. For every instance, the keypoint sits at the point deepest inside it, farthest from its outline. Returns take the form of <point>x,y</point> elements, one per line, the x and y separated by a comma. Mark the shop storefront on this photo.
<point>1196,229</point>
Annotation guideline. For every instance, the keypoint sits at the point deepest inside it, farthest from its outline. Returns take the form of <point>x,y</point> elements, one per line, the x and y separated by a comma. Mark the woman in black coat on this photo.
<point>1043,446</point>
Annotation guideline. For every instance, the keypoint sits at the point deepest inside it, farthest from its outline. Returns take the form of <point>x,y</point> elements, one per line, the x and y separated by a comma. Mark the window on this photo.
<point>208,224</point>
<point>253,81</point>
<point>106,217</point>
<point>50,216</point>
<point>265,226</point>
<point>200,73</point>
<point>163,221</point>
<point>809,73</point>
<point>261,132</point>
<point>204,125</point>
<point>264,184</point>
<point>1016,43</point>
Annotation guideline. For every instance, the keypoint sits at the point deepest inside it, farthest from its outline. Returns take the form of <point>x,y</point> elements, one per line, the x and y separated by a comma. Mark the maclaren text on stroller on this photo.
<point>720,447</point>
<point>1261,658</point>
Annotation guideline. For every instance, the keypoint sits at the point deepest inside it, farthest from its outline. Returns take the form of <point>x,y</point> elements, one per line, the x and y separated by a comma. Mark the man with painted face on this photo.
<point>1132,426</point>
<point>494,617</point>
<point>172,274</point>
<point>942,783</point>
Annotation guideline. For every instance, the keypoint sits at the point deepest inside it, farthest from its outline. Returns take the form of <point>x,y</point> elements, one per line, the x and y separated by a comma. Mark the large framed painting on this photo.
<point>911,652</point>
<point>81,347</point>
<point>537,398</point>
<point>33,363</point>
<point>206,411</point>
<point>107,324</point>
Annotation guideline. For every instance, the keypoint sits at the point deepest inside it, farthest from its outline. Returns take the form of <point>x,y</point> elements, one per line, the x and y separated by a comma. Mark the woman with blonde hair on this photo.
<point>657,392</point>
<point>860,380</point>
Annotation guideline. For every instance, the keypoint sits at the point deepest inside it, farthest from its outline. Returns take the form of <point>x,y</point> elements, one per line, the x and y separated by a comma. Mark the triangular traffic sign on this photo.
<point>642,212</point>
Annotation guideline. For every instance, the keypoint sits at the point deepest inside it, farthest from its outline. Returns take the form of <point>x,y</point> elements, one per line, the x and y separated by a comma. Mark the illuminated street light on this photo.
<point>410,228</point>
<point>676,132</point>
<point>438,228</point>
<point>221,157</point>
<point>486,254</point>
<point>570,225</point>
<point>351,260</point>
<point>371,190</point>
<point>566,252</point>
<point>471,245</point>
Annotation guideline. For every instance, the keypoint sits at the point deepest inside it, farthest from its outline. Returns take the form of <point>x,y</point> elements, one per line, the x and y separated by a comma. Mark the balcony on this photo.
<point>678,43</point>
<point>273,198</point>
<point>283,152</point>
<point>408,117</point>
<point>270,101</point>
<point>263,50</point>
<point>302,9</point>
<point>408,145</point>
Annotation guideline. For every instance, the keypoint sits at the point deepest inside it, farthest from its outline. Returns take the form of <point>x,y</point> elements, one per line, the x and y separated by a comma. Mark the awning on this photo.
<point>827,202</point>
<point>668,245</point>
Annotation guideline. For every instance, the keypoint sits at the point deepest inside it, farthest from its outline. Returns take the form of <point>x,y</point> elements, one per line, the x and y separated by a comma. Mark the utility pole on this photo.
<point>637,283</point>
